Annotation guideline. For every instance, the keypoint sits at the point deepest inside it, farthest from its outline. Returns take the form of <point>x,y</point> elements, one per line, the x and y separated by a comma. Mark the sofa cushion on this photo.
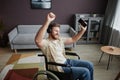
<point>66,35</point>
<point>64,28</point>
<point>24,39</point>
<point>29,38</point>
<point>22,29</point>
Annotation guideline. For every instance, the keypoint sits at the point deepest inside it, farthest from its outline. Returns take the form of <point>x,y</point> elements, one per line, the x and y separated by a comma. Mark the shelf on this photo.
<point>94,28</point>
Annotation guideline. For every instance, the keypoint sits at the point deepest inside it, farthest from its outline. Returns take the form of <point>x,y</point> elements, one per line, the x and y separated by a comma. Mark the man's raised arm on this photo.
<point>76,37</point>
<point>41,33</point>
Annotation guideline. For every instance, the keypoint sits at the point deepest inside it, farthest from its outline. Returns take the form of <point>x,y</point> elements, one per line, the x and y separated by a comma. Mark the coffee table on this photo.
<point>118,76</point>
<point>111,51</point>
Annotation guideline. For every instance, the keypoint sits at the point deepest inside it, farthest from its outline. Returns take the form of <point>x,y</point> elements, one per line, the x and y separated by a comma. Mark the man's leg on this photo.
<point>83,63</point>
<point>82,67</point>
<point>81,73</point>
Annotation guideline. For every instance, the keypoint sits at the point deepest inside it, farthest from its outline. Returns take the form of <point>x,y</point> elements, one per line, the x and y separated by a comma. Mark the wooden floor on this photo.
<point>89,52</point>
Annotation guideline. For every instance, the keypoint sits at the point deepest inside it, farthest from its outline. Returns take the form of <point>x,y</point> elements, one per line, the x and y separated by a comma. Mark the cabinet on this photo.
<point>94,27</point>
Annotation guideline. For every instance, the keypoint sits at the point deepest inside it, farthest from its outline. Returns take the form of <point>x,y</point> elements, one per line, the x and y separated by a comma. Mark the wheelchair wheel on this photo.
<point>49,75</point>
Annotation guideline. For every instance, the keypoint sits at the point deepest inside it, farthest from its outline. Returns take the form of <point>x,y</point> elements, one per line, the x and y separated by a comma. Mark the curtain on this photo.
<point>115,38</point>
<point>109,19</point>
<point>116,24</point>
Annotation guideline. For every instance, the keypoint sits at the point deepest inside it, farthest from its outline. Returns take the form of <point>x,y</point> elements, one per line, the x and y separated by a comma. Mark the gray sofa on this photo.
<point>22,36</point>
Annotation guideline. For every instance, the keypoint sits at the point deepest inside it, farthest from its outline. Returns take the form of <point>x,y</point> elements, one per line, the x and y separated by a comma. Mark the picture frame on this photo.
<point>41,4</point>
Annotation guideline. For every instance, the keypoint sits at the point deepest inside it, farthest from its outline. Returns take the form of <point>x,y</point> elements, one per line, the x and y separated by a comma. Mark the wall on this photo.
<point>15,12</point>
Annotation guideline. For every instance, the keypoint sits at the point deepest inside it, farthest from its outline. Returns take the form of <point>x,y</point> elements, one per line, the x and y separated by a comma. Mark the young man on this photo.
<point>53,48</point>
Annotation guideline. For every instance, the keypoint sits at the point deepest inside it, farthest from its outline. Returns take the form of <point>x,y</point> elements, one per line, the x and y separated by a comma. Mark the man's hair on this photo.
<point>51,25</point>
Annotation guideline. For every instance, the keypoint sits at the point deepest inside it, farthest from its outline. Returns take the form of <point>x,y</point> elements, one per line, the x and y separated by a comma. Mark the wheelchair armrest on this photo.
<point>71,53</point>
<point>41,55</point>
<point>53,63</point>
<point>57,64</point>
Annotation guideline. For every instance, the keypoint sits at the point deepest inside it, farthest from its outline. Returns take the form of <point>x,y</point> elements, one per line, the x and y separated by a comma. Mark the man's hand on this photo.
<point>83,28</point>
<point>51,16</point>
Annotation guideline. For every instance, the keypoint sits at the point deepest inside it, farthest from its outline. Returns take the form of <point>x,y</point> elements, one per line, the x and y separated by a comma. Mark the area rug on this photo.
<point>22,65</point>
<point>21,74</point>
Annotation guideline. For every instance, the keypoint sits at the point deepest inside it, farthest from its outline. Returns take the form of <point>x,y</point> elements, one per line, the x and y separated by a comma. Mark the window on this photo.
<point>116,24</point>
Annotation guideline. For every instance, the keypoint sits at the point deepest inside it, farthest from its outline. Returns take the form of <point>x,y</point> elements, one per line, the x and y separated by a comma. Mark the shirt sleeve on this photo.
<point>63,39</point>
<point>45,46</point>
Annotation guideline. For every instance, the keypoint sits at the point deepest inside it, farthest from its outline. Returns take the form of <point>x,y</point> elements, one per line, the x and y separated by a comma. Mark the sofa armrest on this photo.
<point>72,31</point>
<point>11,35</point>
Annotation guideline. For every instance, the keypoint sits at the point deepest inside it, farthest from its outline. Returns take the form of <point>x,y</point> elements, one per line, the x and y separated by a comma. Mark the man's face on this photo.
<point>55,32</point>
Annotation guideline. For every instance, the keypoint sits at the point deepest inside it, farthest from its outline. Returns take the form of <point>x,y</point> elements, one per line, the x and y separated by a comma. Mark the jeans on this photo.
<point>81,70</point>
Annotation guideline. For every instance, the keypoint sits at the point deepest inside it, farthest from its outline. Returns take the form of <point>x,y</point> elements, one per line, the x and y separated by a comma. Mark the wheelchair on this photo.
<point>60,75</point>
